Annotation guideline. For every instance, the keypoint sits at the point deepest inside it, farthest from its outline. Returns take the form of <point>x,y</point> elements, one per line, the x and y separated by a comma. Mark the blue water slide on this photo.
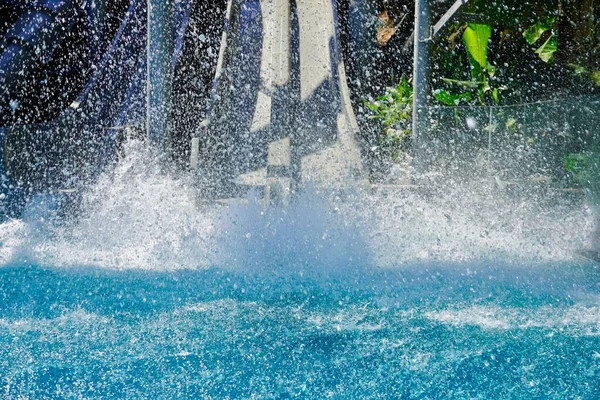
<point>239,86</point>
<point>67,151</point>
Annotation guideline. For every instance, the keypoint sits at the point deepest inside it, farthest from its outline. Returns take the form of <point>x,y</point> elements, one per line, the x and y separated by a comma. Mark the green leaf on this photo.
<point>371,106</point>
<point>469,84</point>
<point>450,99</point>
<point>596,77</point>
<point>575,163</point>
<point>582,167</point>
<point>393,107</point>
<point>535,32</point>
<point>476,37</point>
<point>547,50</point>
<point>496,95</point>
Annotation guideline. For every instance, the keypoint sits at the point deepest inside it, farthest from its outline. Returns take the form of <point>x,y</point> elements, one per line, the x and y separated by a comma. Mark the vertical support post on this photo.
<point>489,152</point>
<point>422,36</point>
<point>159,53</point>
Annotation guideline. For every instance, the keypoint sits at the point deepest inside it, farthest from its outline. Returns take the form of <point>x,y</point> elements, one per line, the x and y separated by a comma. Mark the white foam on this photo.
<point>578,320</point>
<point>76,317</point>
<point>12,234</point>
<point>137,216</point>
<point>468,222</point>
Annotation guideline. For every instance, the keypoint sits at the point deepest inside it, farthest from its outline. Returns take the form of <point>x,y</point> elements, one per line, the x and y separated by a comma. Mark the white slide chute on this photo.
<point>280,112</point>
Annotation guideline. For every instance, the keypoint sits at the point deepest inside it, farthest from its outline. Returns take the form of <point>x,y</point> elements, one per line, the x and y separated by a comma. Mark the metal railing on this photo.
<point>509,142</point>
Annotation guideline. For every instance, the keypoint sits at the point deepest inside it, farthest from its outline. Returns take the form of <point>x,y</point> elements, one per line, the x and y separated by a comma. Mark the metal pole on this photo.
<point>422,36</point>
<point>159,78</point>
<point>448,16</point>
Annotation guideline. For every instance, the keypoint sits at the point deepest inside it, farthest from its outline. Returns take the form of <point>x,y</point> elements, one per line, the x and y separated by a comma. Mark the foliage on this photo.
<point>536,34</point>
<point>580,70</point>
<point>525,47</point>
<point>585,168</point>
<point>513,13</point>
<point>476,38</point>
<point>450,99</point>
<point>595,76</point>
<point>394,110</point>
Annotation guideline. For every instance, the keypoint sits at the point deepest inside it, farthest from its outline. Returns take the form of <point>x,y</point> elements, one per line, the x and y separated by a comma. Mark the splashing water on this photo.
<point>137,216</point>
<point>461,293</point>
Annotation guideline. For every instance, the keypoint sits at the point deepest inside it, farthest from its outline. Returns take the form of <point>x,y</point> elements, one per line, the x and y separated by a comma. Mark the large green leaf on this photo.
<point>476,37</point>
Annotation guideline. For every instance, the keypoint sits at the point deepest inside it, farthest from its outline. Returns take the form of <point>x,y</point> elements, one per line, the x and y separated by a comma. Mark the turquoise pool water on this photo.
<point>466,294</point>
<point>448,330</point>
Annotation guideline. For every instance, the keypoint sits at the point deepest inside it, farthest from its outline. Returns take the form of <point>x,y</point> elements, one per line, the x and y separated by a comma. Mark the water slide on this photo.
<point>278,115</point>
<point>61,141</point>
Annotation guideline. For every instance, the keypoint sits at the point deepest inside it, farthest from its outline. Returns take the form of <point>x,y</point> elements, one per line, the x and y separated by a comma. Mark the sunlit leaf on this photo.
<point>535,32</point>
<point>490,128</point>
<point>371,106</point>
<point>547,50</point>
<point>510,122</point>
<point>476,37</point>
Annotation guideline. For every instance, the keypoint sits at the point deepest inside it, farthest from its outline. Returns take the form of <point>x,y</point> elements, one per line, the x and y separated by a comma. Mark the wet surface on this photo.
<point>481,330</point>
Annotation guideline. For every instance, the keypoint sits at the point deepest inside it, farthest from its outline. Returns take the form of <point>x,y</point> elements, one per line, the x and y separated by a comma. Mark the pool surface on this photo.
<point>465,294</point>
<point>476,330</point>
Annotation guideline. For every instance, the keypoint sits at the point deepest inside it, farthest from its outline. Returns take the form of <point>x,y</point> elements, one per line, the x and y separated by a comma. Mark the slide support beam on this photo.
<point>159,78</point>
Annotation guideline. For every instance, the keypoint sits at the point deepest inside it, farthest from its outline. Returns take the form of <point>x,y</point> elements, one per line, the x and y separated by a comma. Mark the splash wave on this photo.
<point>139,216</point>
